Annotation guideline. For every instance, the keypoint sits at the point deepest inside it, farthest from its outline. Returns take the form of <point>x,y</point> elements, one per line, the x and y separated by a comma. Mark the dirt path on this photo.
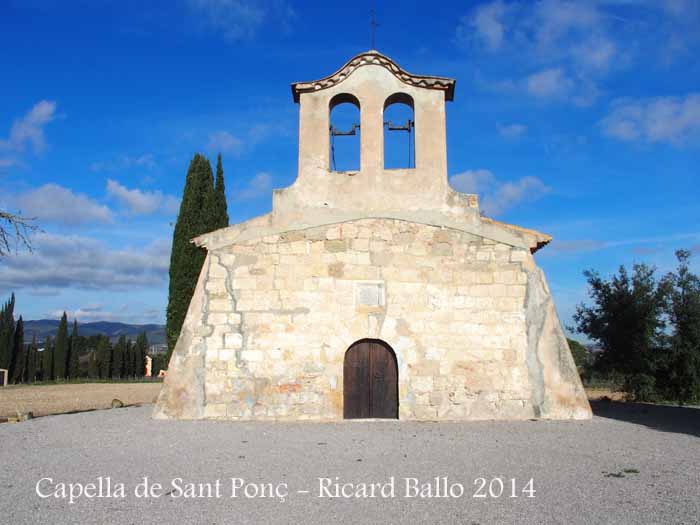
<point>56,399</point>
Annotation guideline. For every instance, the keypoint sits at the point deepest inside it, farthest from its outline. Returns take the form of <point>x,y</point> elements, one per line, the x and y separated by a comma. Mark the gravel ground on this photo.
<point>570,462</point>
<point>42,400</point>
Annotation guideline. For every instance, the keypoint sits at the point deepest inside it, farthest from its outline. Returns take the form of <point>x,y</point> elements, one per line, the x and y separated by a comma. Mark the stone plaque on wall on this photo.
<point>369,294</point>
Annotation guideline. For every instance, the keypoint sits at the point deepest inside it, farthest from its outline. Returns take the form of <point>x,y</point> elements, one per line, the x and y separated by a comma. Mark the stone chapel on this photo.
<point>372,293</point>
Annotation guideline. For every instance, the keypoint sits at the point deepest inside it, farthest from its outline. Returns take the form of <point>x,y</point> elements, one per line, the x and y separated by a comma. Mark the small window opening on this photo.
<point>399,132</point>
<point>344,131</point>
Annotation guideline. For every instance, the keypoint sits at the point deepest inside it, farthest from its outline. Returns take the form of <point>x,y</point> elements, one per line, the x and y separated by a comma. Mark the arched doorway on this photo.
<point>370,381</point>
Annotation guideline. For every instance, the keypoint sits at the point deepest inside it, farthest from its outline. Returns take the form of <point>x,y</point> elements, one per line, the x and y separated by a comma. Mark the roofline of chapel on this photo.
<point>369,58</point>
<point>264,225</point>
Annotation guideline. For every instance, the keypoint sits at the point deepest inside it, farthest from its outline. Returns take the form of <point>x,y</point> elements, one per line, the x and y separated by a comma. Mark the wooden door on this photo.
<point>370,381</point>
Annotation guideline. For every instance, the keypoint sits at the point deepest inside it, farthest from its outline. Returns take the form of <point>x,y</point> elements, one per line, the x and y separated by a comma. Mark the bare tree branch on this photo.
<point>15,230</point>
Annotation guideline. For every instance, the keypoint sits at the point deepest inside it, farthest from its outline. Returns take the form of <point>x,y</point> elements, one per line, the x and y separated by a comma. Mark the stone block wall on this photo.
<point>470,320</point>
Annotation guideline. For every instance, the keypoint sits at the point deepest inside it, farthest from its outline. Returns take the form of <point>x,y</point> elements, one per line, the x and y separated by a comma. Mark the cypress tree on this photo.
<point>118,358</point>
<point>7,330</point>
<point>135,359</point>
<point>19,355</point>
<point>47,360</point>
<point>194,218</point>
<point>141,352</point>
<point>220,208</point>
<point>32,356</point>
<point>92,371</point>
<point>157,364</point>
<point>132,361</point>
<point>136,366</point>
<point>60,353</point>
<point>104,357</point>
<point>129,359</point>
<point>74,352</point>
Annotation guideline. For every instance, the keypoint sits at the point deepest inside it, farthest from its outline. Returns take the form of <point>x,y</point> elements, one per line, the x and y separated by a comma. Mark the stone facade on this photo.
<point>456,296</point>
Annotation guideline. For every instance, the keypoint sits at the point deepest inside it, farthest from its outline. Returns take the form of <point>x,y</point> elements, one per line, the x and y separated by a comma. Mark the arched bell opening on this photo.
<point>399,132</point>
<point>344,131</point>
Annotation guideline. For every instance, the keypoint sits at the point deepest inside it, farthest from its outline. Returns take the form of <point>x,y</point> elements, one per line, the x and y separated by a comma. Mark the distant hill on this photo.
<point>43,327</point>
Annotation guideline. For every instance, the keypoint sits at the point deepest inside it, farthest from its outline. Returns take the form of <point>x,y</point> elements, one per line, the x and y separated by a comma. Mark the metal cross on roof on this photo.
<point>373,28</point>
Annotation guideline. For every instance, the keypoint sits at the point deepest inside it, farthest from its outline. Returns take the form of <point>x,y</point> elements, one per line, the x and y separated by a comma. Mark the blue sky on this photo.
<point>580,119</point>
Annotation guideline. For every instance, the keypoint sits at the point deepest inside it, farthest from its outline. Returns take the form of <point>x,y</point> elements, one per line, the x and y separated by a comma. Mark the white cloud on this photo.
<point>9,162</point>
<point>586,39</point>
<point>536,31</point>
<point>586,92</point>
<point>638,246</point>
<point>59,262</point>
<point>224,142</point>
<point>147,160</point>
<point>244,139</point>
<point>674,120</point>
<point>236,19</point>
<point>510,194</point>
<point>487,24</point>
<point>127,313</point>
<point>264,130</point>
<point>259,185</point>
<point>512,131</point>
<point>472,181</point>
<point>575,246</point>
<point>552,21</point>
<point>595,53</point>
<point>54,203</point>
<point>550,83</point>
<point>141,202</point>
<point>679,7</point>
<point>29,130</point>
<point>564,49</point>
<point>498,196</point>
<point>242,19</point>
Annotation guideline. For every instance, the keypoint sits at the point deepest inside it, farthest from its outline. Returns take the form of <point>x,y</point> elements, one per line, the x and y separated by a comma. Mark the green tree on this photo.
<point>74,352</point>
<point>220,207</point>
<point>7,331</point>
<point>18,366</point>
<point>129,359</point>
<point>625,320</point>
<point>140,354</point>
<point>104,357</point>
<point>580,355</point>
<point>118,354</point>
<point>32,362</point>
<point>679,372</point>
<point>194,218</point>
<point>135,369</point>
<point>60,353</point>
<point>158,363</point>
<point>47,360</point>
<point>92,370</point>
